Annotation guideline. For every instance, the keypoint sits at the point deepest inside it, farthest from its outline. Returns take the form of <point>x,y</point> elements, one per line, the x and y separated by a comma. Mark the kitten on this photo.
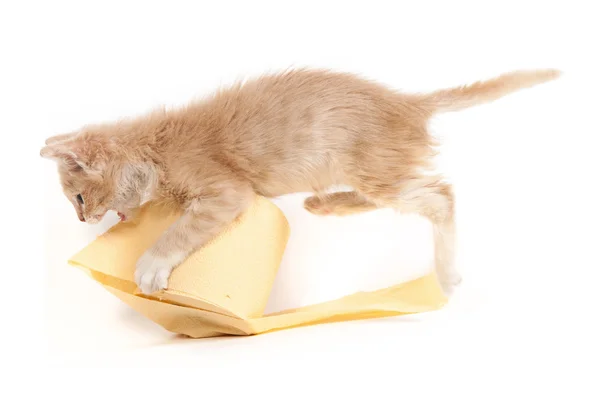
<point>298,131</point>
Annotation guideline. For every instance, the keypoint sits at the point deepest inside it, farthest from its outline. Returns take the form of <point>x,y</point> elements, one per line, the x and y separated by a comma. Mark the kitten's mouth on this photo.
<point>122,216</point>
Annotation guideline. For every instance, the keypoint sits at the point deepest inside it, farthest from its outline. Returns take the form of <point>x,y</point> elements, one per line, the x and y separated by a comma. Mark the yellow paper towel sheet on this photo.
<point>223,288</point>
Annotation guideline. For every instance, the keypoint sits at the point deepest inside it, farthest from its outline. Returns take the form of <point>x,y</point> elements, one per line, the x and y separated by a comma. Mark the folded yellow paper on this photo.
<point>223,288</point>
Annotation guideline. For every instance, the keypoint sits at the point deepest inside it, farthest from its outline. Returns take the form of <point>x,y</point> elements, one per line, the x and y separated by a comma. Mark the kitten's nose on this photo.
<point>81,219</point>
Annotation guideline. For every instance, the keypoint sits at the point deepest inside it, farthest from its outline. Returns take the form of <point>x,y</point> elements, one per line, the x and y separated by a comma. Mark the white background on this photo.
<point>523,325</point>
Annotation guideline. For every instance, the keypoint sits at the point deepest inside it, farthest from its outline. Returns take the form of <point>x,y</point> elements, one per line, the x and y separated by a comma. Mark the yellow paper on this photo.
<point>223,288</point>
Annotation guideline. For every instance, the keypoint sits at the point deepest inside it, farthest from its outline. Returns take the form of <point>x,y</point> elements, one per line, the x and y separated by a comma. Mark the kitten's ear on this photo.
<point>75,155</point>
<point>61,154</point>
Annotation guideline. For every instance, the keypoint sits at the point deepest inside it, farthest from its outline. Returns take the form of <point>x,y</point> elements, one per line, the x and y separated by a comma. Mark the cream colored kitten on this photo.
<point>293,132</point>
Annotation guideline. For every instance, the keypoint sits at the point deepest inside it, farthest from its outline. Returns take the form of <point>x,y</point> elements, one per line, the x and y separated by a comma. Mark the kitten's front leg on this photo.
<point>203,219</point>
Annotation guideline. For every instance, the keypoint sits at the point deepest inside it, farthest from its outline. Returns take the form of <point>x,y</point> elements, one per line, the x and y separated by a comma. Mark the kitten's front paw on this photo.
<point>152,273</point>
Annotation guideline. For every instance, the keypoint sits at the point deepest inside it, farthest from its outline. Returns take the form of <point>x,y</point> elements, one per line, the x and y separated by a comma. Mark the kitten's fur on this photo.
<point>293,132</point>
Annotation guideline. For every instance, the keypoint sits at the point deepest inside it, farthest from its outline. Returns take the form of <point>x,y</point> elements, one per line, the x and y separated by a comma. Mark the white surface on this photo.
<point>522,327</point>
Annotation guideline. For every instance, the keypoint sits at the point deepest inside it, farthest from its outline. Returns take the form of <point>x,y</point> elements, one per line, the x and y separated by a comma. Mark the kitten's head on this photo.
<point>94,178</point>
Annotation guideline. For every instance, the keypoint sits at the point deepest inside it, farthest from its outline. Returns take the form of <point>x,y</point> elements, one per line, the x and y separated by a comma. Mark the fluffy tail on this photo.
<point>455,99</point>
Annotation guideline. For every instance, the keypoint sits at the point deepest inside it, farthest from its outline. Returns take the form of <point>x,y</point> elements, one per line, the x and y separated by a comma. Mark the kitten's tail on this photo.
<point>455,99</point>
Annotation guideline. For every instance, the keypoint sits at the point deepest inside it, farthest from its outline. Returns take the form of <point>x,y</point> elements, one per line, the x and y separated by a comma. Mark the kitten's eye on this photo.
<point>80,199</point>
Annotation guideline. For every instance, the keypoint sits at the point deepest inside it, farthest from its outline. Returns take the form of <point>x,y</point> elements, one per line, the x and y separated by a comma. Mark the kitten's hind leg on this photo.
<point>338,204</point>
<point>430,197</point>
